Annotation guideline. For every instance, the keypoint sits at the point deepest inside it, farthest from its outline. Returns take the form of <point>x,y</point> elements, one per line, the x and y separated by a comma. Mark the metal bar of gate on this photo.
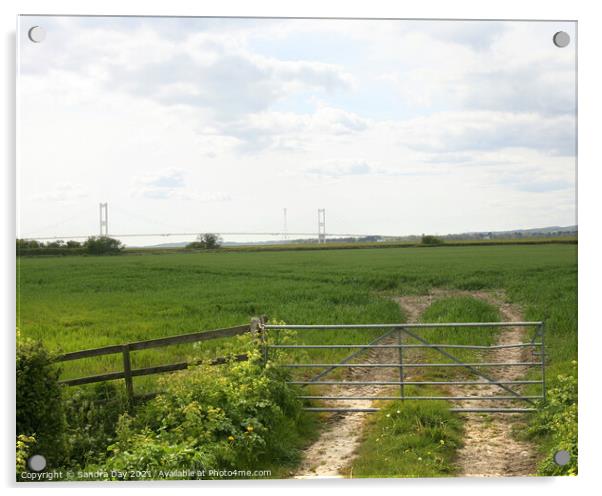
<point>457,410</point>
<point>461,346</point>
<point>543,360</point>
<point>469,367</point>
<point>413,365</point>
<point>419,398</point>
<point>400,328</point>
<point>349,357</point>
<point>399,342</point>
<point>402,325</point>
<point>416,383</point>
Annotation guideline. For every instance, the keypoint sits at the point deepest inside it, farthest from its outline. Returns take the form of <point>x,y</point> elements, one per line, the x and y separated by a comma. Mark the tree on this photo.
<point>24,244</point>
<point>211,241</point>
<point>55,244</point>
<point>103,245</point>
<point>207,241</point>
<point>427,239</point>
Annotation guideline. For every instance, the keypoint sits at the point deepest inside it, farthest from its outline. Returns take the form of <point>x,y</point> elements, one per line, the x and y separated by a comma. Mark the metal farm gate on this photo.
<point>410,344</point>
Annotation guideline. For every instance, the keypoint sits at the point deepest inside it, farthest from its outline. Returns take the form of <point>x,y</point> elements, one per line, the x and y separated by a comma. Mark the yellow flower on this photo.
<point>230,438</point>
<point>250,428</point>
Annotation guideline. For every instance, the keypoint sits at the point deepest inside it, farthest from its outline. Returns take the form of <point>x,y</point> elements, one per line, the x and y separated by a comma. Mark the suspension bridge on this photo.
<point>321,234</point>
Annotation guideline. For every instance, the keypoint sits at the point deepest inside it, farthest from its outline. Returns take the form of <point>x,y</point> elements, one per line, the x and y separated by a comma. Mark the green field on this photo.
<point>80,302</point>
<point>74,303</point>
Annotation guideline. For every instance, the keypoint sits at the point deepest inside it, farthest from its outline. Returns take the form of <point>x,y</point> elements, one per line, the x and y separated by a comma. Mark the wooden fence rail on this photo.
<point>125,349</point>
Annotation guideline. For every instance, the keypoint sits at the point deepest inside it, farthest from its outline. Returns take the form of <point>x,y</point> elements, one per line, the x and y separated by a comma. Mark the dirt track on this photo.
<point>489,450</point>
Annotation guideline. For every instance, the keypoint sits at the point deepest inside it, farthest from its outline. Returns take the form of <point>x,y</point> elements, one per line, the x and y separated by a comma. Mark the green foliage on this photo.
<point>360,245</point>
<point>31,247</point>
<point>39,406</point>
<point>102,245</point>
<point>236,416</point>
<point>25,445</point>
<point>92,416</point>
<point>76,302</point>
<point>428,239</point>
<point>556,423</point>
<point>409,439</point>
<point>72,301</point>
<point>23,244</point>
<point>207,241</point>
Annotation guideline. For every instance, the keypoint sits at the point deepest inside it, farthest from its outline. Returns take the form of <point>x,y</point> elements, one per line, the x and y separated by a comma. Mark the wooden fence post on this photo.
<point>258,331</point>
<point>127,373</point>
<point>255,325</point>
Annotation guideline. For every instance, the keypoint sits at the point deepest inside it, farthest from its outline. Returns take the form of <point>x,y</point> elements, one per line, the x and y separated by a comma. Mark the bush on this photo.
<point>208,241</point>
<point>31,247</point>
<point>430,240</point>
<point>557,420</point>
<point>92,416</point>
<point>40,411</point>
<point>33,252</point>
<point>28,244</point>
<point>238,416</point>
<point>103,245</point>
<point>23,452</point>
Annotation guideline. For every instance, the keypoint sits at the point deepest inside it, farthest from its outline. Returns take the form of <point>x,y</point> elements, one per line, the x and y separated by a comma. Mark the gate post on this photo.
<point>127,375</point>
<point>258,329</point>
<point>399,343</point>
<point>542,331</point>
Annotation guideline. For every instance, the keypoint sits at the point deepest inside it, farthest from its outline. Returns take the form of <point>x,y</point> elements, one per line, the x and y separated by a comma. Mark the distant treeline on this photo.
<point>94,245</point>
<point>429,242</point>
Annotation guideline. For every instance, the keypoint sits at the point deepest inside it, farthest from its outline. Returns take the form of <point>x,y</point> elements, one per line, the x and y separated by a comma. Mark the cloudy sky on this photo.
<point>216,125</point>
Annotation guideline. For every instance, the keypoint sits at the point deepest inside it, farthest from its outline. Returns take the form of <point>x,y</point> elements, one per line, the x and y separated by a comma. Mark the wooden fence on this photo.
<point>124,349</point>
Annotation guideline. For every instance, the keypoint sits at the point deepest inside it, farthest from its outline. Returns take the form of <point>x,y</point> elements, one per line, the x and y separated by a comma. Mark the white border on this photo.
<point>590,238</point>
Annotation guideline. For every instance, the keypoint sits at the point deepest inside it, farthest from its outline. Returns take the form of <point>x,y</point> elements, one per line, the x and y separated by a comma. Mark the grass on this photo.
<point>460,309</point>
<point>73,303</point>
<point>410,439</point>
<point>420,438</point>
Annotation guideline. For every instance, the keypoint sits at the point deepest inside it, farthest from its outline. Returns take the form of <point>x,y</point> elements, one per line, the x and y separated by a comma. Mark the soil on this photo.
<point>335,447</point>
<point>490,449</point>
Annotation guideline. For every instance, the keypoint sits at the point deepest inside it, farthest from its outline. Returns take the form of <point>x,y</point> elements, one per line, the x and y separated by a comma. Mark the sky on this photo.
<point>216,125</point>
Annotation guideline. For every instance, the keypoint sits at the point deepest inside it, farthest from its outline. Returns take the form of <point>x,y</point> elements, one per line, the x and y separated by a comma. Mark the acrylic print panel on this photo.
<point>233,234</point>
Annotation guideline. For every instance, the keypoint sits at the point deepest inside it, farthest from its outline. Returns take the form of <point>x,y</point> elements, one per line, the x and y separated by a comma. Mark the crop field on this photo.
<point>80,302</point>
<point>74,303</point>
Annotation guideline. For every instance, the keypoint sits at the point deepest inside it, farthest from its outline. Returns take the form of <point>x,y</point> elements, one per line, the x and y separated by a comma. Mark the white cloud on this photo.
<point>472,121</point>
<point>168,179</point>
<point>170,194</point>
<point>288,130</point>
<point>484,66</point>
<point>341,168</point>
<point>65,193</point>
<point>170,184</point>
<point>206,70</point>
<point>452,132</point>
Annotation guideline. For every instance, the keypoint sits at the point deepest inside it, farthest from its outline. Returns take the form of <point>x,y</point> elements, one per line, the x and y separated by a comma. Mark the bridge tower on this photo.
<point>104,219</point>
<point>321,225</point>
<point>285,231</point>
